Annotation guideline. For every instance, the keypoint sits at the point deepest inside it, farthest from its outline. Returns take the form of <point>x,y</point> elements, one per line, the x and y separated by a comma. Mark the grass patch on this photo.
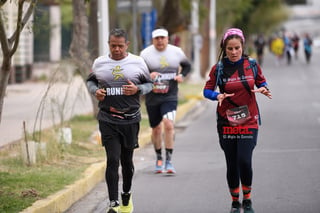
<point>189,91</point>
<point>21,185</point>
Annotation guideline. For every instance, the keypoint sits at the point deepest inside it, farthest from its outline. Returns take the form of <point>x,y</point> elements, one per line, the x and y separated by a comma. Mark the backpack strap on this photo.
<point>253,66</point>
<point>219,69</point>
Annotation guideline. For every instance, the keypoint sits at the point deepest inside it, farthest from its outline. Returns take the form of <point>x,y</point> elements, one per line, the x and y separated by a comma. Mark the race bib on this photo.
<point>160,86</point>
<point>238,115</point>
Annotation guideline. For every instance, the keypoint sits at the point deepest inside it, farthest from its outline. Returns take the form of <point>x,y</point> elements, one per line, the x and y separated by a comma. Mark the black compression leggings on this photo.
<point>238,151</point>
<point>115,154</point>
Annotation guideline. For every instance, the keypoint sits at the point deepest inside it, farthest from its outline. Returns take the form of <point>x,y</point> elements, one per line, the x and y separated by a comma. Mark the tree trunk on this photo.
<point>171,17</point>
<point>4,79</point>
<point>9,45</point>
<point>205,50</point>
<point>93,30</point>
<point>79,44</point>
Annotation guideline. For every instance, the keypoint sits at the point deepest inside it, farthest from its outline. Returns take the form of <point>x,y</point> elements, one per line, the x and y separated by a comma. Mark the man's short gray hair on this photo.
<point>117,32</point>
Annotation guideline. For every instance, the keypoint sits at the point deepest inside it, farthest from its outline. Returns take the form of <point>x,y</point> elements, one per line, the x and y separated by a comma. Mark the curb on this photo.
<point>65,198</point>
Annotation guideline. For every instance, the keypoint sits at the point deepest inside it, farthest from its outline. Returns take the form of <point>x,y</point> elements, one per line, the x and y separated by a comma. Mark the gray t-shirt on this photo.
<point>112,75</point>
<point>167,63</point>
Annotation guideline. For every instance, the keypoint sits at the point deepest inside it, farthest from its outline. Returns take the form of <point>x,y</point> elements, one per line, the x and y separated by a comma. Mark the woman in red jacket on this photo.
<point>238,117</point>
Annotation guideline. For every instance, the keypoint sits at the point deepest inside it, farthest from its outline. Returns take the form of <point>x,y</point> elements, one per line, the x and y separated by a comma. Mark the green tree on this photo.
<point>250,15</point>
<point>265,16</point>
<point>229,12</point>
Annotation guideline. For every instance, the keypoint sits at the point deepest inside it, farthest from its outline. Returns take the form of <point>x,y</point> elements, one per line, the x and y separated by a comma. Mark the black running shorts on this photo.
<point>126,134</point>
<point>156,112</point>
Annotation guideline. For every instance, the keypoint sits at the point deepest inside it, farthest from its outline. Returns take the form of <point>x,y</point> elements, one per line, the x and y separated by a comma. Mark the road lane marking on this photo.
<point>289,150</point>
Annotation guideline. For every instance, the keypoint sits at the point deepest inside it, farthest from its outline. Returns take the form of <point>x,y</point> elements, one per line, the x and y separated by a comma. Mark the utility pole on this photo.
<point>212,33</point>
<point>103,26</point>
<point>134,26</point>
<point>197,40</point>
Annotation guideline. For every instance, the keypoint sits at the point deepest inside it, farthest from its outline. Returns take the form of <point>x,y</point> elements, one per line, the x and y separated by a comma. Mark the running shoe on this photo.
<point>247,206</point>
<point>169,168</point>
<point>159,167</point>
<point>235,207</point>
<point>126,204</point>
<point>113,207</point>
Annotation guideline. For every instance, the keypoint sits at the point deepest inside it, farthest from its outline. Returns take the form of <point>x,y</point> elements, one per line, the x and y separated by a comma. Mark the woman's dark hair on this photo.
<point>223,45</point>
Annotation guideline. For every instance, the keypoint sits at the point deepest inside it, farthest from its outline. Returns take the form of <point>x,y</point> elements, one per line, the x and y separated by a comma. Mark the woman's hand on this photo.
<point>221,97</point>
<point>263,90</point>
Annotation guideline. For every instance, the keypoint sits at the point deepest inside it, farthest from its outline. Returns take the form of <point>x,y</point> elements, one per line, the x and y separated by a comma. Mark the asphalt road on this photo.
<point>286,160</point>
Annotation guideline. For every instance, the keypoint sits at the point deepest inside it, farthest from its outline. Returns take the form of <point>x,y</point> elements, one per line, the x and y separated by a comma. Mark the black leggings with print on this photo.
<point>238,149</point>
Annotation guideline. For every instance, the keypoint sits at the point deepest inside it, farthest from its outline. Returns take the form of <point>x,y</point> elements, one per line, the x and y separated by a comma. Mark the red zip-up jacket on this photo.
<point>233,83</point>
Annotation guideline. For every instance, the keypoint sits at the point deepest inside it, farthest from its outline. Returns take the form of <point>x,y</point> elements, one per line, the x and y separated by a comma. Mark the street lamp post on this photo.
<point>212,33</point>
<point>103,26</point>
<point>197,40</point>
<point>134,26</point>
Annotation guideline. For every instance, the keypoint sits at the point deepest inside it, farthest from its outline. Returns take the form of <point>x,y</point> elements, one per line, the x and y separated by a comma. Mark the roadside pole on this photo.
<point>196,40</point>
<point>103,26</point>
<point>212,33</point>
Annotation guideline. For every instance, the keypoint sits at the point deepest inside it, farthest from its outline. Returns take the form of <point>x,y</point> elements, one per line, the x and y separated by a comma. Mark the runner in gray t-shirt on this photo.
<point>164,62</point>
<point>117,80</point>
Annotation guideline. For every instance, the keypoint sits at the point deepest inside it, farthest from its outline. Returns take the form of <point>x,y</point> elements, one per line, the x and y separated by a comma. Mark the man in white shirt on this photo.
<point>164,62</point>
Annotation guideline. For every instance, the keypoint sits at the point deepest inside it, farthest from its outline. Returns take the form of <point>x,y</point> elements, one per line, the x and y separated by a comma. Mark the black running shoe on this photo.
<point>235,207</point>
<point>247,206</point>
<point>113,207</point>
<point>126,204</point>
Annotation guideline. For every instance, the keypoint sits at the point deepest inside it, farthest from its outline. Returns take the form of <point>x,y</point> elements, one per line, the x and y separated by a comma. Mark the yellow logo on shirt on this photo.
<point>163,62</point>
<point>116,72</point>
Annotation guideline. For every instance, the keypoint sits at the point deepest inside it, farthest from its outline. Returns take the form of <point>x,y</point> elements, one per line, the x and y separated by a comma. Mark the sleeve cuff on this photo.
<point>210,94</point>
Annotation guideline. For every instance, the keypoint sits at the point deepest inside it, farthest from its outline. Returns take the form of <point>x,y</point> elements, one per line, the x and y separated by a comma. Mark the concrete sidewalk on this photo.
<point>22,102</point>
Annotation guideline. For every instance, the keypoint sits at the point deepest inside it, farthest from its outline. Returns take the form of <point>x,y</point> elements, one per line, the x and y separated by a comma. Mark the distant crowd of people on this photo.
<point>284,44</point>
